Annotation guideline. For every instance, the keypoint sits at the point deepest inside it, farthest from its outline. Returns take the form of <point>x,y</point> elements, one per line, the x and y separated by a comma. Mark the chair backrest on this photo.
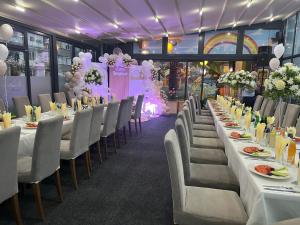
<point>181,115</point>
<point>122,114</point>
<point>70,96</point>
<point>46,150</point>
<point>44,100</point>
<point>184,148</point>
<point>176,170</point>
<point>295,221</point>
<point>279,113</point>
<point>129,110</point>
<point>298,127</point>
<point>270,108</point>
<point>258,102</point>
<point>9,142</point>
<point>110,120</point>
<point>81,132</point>
<point>138,106</point>
<point>97,118</point>
<point>193,108</point>
<point>189,123</point>
<point>263,106</point>
<point>20,102</point>
<point>188,105</point>
<point>2,105</point>
<point>60,97</point>
<point>291,115</point>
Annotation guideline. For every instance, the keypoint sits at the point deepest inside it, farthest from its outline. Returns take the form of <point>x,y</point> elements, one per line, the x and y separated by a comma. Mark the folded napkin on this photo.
<point>64,109</point>
<point>6,117</point>
<point>85,100</point>
<point>280,145</point>
<point>232,111</point>
<point>292,131</point>
<point>72,102</point>
<point>260,129</point>
<point>270,120</point>
<point>79,105</point>
<point>248,117</point>
<point>238,114</point>
<point>28,110</point>
<point>94,101</point>
<point>38,113</point>
<point>52,106</point>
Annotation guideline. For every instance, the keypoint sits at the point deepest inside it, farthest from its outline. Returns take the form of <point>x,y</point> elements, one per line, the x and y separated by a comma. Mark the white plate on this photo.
<point>247,138</point>
<point>256,156</point>
<point>233,127</point>
<point>251,167</point>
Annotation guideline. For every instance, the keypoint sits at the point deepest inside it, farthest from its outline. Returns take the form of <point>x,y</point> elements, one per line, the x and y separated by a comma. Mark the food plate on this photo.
<point>265,168</point>
<point>31,125</point>
<point>255,152</point>
<point>232,125</point>
<point>239,136</point>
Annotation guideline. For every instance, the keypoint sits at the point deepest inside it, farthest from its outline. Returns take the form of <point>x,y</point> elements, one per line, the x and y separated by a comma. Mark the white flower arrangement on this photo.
<point>93,76</point>
<point>243,79</point>
<point>112,59</point>
<point>283,82</point>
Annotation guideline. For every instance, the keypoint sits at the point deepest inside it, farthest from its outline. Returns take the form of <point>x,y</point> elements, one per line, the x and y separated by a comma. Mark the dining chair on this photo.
<point>95,129</point>
<point>70,96</point>
<point>295,221</point>
<point>2,105</point>
<point>198,155</point>
<point>263,106</point>
<point>202,142</point>
<point>279,113</point>
<point>122,120</point>
<point>199,205</point>
<point>44,102</point>
<point>20,102</point>
<point>291,114</point>
<point>270,108</point>
<point>79,143</point>
<point>257,104</point>
<point>201,111</point>
<point>138,112</point>
<point>129,112</point>
<point>60,97</point>
<point>109,125</point>
<point>45,160</point>
<point>197,118</point>
<point>9,142</point>
<point>203,175</point>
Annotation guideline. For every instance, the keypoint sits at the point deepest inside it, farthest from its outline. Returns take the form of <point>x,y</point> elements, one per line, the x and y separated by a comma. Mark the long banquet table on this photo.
<point>263,206</point>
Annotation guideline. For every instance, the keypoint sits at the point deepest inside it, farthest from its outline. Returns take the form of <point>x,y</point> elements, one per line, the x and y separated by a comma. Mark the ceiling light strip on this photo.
<point>155,15</point>
<point>221,15</point>
<point>261,12</point>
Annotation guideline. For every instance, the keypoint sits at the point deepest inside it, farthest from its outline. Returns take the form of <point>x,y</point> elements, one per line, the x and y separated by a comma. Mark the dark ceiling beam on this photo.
<point>179,16</point>
<point>155,15</point>
<point>222,14</point>
<point>261,12</point>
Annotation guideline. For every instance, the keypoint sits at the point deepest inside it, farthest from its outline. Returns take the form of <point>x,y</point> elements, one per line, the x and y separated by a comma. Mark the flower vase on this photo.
<point>240,94</point>
<point>280,112</point>
<point>234,92</point>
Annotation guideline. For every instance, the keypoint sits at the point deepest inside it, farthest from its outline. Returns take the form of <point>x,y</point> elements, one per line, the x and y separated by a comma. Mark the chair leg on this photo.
<point>73,172</point>
<point>124,134</point>
<point>129,128</point>
<point>105,147</point>
<point>118,138</point>
<point>38,200</point>
<point>99,151</point>
<point>58,185</point>
<point>16,209</point>
<point>140,123</point>
<point>114,140</point>
<point>135,124</point>
<point>87,164</point>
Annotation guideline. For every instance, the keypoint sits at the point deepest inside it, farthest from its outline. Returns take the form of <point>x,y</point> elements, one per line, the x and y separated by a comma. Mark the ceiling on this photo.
<point>128,19</point>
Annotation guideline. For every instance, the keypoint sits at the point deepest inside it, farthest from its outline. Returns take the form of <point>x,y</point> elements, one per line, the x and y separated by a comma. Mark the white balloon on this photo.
<point>67,86</point>
<point>76,60</point>
<point>88,55</point>
<point>105,55</point>
<point>68,75</point>
<point>279,50</point>
<point>77,75</point>
<point>151,61</point>
<point>81,55</point>
<point>3,52</point>
<point>6,32</point>
<point>274,63</point>
<point>3,68</point>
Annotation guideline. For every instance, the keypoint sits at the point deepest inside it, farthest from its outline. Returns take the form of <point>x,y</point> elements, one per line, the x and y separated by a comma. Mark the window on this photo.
<point>15,63</point>
<point>148,47</point>
<point>64,61</point>
<point>289,35</point>
<point>297,39</point>
<point>255,38</point>
<point>78,50</point>
<point>183,44</point>
<point>297,61</point>
<point>220,42</point>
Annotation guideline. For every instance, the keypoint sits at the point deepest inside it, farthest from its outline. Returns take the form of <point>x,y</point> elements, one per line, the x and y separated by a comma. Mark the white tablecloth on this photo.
<point>263,207</point>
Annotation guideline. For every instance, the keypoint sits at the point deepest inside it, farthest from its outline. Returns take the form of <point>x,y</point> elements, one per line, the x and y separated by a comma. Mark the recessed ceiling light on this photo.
<point>116,25</point>
<point>75,0</point>
<point>20,8</point>
<point>77,31</point>
<point>249,3</point>
<point>200,12</point>
<point>272,18</point>
<point>166,34</point>
<point>200,30</point>
<point>156,19</point>
<point>136,39</point>
<point>234,24</point>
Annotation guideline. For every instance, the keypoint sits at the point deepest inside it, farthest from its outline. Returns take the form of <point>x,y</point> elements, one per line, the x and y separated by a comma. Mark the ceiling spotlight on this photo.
<point>156,19</point>
<point>200,12</point>
<point>116,25</point>
<point>136,39</point>
<point>166,34</point>
<point>75,0</point>
<point>199,30</point>
<point>249,3</point>
<point>271,19</point>
<point>235,23</point>
<point>20,8</point>
<point>77,31</point>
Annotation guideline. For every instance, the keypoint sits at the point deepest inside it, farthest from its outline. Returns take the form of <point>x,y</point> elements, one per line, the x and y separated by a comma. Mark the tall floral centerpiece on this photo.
<point>93,76</point>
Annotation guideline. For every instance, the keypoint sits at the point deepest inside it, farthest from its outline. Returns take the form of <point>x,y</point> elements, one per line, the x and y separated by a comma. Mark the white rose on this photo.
<point>280,85</point>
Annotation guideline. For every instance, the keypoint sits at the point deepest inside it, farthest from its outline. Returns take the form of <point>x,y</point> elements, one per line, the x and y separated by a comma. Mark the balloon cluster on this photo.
<point>118,58</point>
<point>6,33</point>
<point>278,52</point>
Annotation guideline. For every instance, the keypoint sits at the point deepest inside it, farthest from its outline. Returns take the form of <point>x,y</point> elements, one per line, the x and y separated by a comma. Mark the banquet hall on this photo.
<point>150,112</point>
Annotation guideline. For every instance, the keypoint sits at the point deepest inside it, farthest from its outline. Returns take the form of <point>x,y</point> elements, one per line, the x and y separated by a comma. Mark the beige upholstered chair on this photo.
<point>279,113</point>
<point>2,105</point>
<point>122,120</point>
<point>199,205</point>
<point>138,112</point>
<point>295,221</point>
<point>258,101</point>
<point>198,155</point>
<point>60,97</point>
<point>45,160</point>
<point>44,100</point>
<point>263,106</point>
<point>291,114</point>
<point>9,142</point>
<point>20,102</point>
<point>79,142</point>
<point>270,108</point>
<point>130,103</point>
<point>198,119</point>
<point>70,96</point>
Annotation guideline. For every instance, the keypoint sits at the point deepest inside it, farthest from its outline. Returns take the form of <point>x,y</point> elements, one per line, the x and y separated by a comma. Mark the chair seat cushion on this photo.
<point>205,113</point>
<point>211,207</point>
<point>213,176</point>
<point>203,127</point>
<point>208,156</point>
<point>203,142</point>
<point>204,120</point>
<point>205,133</point>
<point>65,152</point>
<point>24,169</point>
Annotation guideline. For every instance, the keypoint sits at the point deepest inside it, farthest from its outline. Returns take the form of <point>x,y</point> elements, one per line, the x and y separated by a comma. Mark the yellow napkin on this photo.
<point>105,100</point>
<point>52,106</point>
<point>238,114</point>
<point>260,132</point>
<point>280,145</point>
<point>291,130</point>
<point>248,120</point>
<point>64,109</point>
<point>38,113</point>
<point>72,103</point>
<point>94,101</point>
<point>28,109</point>
<point>79,105</point>
<point>270,120</point>
<point>85,100</point>
<point>6,117</point>
<point>232,111</point>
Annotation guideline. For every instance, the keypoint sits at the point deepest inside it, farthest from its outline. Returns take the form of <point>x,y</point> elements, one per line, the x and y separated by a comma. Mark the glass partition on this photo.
<point>39,65</point>
<point>77,50</point>
<point>64,61</point>
<point>148,47</point>
<point>220,42</point>
<point>289,35</point>
<point>297,38</point>
<point>187,44</point>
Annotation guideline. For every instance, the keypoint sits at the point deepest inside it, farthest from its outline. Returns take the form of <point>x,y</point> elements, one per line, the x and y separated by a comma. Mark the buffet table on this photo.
<point>263,206</point>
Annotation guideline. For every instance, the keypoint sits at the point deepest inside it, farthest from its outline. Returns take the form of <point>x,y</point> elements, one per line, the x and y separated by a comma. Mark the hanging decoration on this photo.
<point>117,59</point>
<point>278,52</point>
